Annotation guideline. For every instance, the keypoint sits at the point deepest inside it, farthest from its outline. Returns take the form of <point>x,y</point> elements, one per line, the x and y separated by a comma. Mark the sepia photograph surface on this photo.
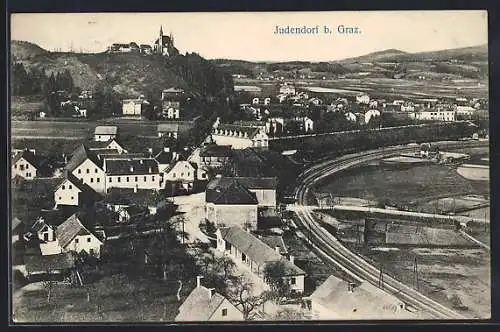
<point>253,166</point>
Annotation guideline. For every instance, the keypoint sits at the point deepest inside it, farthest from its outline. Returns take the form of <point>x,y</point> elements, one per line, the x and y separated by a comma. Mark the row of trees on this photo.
<point>36,81</point>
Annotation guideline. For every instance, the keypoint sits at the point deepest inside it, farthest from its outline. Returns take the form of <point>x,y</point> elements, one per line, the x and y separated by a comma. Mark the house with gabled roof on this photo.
<point>211,155</point>
<point>72,191</point>
<point>242,246</point>
<point>168,130</point>
<point>105,133</point>
<point>231,204</point>
<point>25,164</point>
<point>205,304</point>
<point>264,188</point>
<point>182,172</point>
<point>87,166</point>
<point>337,299</point>
<point>112,144</point>
<point>60,264</point>
<point>45,233</point>
<point>17,229</point>
<point>139,173</point>
<point>72,235</point>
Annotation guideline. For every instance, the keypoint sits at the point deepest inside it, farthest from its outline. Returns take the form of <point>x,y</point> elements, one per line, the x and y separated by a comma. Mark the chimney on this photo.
<point>150,170</point>
<point>166,149</point>
<point>211,292</point>
<point>198,281</point>
<point>135,188</point>
<point>141,161</point>
<point>277,249</point>
<point>131,168</point>
<point>292,259</point>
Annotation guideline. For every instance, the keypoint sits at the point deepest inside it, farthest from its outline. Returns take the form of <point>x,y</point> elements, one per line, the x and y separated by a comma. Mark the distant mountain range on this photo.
<point>466,62</point>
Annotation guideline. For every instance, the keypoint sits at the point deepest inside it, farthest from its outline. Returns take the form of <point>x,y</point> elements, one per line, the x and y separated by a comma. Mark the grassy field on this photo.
<point>113,304</point>
<point>457,278</point>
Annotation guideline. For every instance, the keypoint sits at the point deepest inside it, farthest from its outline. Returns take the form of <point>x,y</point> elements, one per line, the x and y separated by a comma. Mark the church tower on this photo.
<point>160,41</point>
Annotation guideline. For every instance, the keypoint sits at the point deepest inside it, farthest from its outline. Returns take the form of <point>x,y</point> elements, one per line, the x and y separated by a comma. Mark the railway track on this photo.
<point>347,260</point>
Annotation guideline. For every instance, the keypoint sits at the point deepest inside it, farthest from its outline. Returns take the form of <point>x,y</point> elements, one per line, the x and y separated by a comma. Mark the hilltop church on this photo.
<point>165,44</point>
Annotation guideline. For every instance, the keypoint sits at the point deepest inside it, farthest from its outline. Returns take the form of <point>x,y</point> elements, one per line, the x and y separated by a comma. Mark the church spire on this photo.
<point>161,30</point>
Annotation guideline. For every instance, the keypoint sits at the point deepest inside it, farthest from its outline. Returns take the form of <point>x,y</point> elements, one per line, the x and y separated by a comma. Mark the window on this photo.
<point>188,173</point>
<point>182,174</point>
<point>110,179</point>
<point>95,170</point>
<point>144,179</point>
<point>69,187</point>
<point>27,166</point>
<point>88,239</point>
<point>72,197</point>
<point>21,167</point>
<point>91,180</point>
<point>153,178</point>
<point>119,179</point>
<point>224,312</point>
<point>15,166</point>
<point>136,179</point>
<point>293,281</point>
<point>88,171</point>
<point>98,180</point>
<point>173,175</point>
<point>79,171</point>
<point>128,179</point>
<point>45,236</point>
<point>76,240</point>
<point>59,197</point>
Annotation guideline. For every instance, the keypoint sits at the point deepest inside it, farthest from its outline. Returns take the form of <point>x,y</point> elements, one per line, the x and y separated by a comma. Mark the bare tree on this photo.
<point>226,265</point>
<point>241,294</point>
<point>49,283</point>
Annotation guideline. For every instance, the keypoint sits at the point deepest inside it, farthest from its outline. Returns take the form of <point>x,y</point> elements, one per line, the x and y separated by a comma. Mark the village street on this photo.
<point>192,208</point>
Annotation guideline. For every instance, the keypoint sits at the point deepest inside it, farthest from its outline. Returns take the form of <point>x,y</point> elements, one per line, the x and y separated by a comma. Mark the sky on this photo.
<point>250,35</point>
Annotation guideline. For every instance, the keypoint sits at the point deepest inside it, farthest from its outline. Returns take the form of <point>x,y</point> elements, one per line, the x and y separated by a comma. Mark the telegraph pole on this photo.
<point>381,279</point>
<point>415,273</point>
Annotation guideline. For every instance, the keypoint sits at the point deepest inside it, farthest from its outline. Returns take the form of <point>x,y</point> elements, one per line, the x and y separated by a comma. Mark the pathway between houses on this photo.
<point>193,207</point>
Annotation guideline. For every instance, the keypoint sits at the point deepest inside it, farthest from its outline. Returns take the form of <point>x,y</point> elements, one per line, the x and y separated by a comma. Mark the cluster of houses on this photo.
<point>163,45</point>
<point>290,111</point>
<point>171,104</point>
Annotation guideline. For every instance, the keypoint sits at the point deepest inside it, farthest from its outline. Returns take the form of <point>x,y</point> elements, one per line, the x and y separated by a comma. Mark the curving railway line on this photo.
<point>347,260</point>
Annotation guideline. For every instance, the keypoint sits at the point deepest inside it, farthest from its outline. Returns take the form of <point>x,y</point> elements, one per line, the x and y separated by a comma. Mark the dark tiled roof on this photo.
<point>69,229</point>
<point>106,130</point>
<point>131,166</point>
<point>167,127</point>
<point>216,151</point>
<point>164,157</point>
<point>17,226</point>
<point>234,193</point>
<point>274,241</point>
<point>135,210</point>
<point>248,182</point>
<point>199,305</point>
<point>39,263</point>
<point>256,249</point>
<point>81,154</point>
<point>143,197</point>
<point>250,131</point>
<point>28,156</point>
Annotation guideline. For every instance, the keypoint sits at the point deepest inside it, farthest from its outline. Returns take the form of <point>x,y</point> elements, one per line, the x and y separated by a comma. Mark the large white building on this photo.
<point>437,115</point>
<point>240,137</point>
<point>105,133</point>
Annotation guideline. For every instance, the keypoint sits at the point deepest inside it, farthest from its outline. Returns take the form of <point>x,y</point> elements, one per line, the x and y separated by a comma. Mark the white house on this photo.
<point>350,116</point>
<point>371,113</point>
<point>47,237</point>
<point>72,235</point>
<point>243,246</point>
<point>113,144</point>
<point>71,191</point>
<point>132,107</point>
<point>438,115</point>
<point>465,110</point>
<point>212,156</point>
<point>105,133</point>
<point>205,305</point>
<point>25,165</point>
<point>288,89</point>
<point>264,188</point>
<point>171,109</point>
<point>240,137</point>
<point>363,99</point>
<point>183,172</point>
<point>87,166</point>
<point>337,299</point>
<point>140,173</point>
<point>168,130</point>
